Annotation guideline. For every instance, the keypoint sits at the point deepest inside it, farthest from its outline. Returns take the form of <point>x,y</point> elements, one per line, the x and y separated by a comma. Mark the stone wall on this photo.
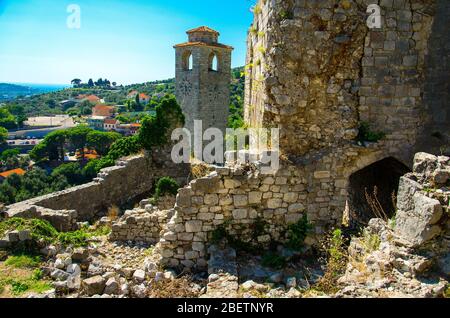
<point>131,178</point>
<point>239,197</point>
<point>316,71</point>
<point>144,223</point>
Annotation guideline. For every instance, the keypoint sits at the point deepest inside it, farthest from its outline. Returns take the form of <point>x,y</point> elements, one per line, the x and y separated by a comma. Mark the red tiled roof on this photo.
<point>203,29</point>
<point>93,98</point>
<point>18,171</point>
<point>102,110</point>
<point>136,125</point>
<point>204,44</point>
<point>111,121</point>
<point>143,96</point>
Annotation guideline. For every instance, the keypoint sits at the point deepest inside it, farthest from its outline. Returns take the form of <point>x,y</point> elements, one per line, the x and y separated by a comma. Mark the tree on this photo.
<point>76,82</point>
<point>156,130</point>
<point>91,83</point>
<point>7,120</point>
<point>9,153</point>
<point>71,171</point>
<point>3,135</point>
<point>99,82</point>
<point>124,147</point>
<point>52,147</point>
<point>77,137</point>
<point>19,112</point>
<point>102,141</point>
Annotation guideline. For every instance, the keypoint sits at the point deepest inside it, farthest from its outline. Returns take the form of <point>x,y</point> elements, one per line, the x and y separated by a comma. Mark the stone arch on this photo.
<point>378,183</point>
<point>213,62</point>
<point>188,61</point>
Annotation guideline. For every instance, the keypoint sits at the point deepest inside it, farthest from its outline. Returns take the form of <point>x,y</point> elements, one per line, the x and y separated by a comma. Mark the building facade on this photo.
<point>203,75</point>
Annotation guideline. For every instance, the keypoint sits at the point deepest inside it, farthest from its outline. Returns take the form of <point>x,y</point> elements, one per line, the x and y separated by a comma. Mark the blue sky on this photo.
<point>124,41</point>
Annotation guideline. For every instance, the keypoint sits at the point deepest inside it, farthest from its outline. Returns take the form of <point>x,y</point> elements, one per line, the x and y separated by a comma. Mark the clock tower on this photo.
<point>203,75</point>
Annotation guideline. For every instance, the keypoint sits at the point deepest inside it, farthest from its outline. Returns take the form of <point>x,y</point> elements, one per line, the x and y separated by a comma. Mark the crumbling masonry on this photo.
<point>317,72</point>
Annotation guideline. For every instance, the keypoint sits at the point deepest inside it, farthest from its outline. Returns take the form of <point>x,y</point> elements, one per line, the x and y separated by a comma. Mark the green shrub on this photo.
<point>298,232</point>
<point>366,134</point>
<point>273,260</point>
<point>166,185</point>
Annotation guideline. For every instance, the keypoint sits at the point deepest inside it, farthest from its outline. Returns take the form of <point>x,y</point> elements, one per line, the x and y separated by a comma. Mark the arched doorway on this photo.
<point>373,190</point>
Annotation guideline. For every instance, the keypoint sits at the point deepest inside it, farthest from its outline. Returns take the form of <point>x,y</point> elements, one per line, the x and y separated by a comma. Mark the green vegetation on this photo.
<point>11,116</point>
<point>41,230</point>
<point>273,260</point>
<point>34,183</point>
<point>166,185</point>
<point>3,135</point>
<point>298,232</point>
<point>156,130</point>
<point>366,134</point>
<point>23,261</point>
<point>336,253</point>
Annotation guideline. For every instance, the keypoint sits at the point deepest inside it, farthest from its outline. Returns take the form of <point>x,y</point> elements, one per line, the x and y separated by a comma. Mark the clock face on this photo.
<point>185,88</point>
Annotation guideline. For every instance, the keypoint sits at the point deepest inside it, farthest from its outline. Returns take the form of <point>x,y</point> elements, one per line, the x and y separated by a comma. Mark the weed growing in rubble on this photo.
<point>298,232</point>
<point>336,258</point>
<point>42,230</point>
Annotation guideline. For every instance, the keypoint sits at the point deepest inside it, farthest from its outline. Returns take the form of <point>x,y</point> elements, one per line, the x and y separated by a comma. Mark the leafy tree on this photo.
<point>9,153</point>
<point>7,193</point>
<point>124,147</point>
<point>15,181</point>
<point>7,120</point>
<point>91,83</point>
<point>156,130</point>
<point>101,141</point>
<point>52,103</point>
<point>72,172</point>
<point>3,135</point>
<point>52,147</point>
<point>19,112</point>
<point>76,82</point>
<point>77,137</point>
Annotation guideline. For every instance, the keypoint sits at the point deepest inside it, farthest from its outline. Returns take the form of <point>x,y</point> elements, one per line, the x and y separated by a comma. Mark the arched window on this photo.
<point>188,61</point>
<point>213,62</point>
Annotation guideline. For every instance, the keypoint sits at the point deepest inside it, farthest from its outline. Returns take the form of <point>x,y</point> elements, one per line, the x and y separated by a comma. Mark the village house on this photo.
<point>110,124</point>
<point>132,94</point>
<point>96,122</point>
<point>6,174</point>
<point>144,98</point>
<point>103,110</point>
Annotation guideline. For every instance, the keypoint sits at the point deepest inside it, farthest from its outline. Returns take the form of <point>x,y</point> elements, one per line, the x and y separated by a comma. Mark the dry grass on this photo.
<point>113,213</point>
<point>200,170</point>
<point>177,288</point>
<point>375,205</point>
<point>337,256</point>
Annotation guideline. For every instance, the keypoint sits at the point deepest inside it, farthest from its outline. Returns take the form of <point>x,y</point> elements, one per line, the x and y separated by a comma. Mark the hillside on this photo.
<point>11,91</point>
<point>49,103</point>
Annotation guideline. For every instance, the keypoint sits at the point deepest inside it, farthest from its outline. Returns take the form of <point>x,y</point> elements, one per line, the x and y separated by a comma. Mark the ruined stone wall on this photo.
<point>131,178</point>
<point>239,198</point>
<point>315,70</point>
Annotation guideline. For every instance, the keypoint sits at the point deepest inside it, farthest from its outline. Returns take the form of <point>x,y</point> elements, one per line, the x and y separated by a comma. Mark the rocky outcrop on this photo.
<point>409,257</point>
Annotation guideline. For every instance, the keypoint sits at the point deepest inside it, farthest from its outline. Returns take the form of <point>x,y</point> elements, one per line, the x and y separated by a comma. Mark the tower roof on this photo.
<point>202,29</point>
<point>217,45</point>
